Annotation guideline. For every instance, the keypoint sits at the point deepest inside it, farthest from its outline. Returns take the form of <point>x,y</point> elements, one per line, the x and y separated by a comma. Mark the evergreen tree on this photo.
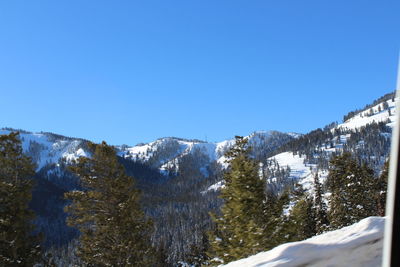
<point>18,245</point>
<point>198,256</point>
<point>381,189</point>
<point>301,223</point>
<point>241,226</point>
<point>320,208</point>
<point>352,191</point>
<point>277,219</point>
<point>113,229</point>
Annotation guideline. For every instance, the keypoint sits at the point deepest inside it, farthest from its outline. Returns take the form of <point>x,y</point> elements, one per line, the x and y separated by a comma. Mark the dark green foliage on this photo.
<point>298,223</point>
<point>352,190</point>
<point>302,216</point>
<point>240,229</point>
<point>381,189</point>
<point>320,208</point>
<point>177,202</point>
<point>180,206</point>
<point>277,218</point>
<point>114,230</point>
<point>18,245</point>
<point>302,220</point>
<point>198,253</point>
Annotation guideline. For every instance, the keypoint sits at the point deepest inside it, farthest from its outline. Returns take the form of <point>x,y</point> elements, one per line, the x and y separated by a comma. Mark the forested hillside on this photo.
<point>181,179</point>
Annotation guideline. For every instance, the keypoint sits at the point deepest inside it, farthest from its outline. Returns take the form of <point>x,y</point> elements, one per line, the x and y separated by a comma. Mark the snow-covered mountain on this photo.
<point>148,163</point>
<point>357,134</point>
<point>360,245</point>
<point>268,146</point>
<point>165,153</point>
<point>186,199</point>
<point>384,111</point>
<point>282,157</point>
<point>48,148</point>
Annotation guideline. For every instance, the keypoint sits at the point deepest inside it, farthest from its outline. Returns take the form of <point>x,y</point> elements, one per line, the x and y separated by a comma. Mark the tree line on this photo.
<point>114,230</point>
<point>253,219</point>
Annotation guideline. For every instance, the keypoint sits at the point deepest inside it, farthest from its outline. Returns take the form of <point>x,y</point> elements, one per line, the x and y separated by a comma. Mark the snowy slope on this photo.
<point>304,173</point>
<point>299,170</point>
<point>379,114</point>
<point>165,153</point>
<point>47,148</point>
<point>356,245</point>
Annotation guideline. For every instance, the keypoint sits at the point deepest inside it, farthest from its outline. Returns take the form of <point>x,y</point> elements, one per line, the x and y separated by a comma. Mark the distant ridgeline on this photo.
<point>381,100</point>
<point>365,132</point>
<point>180,178</point>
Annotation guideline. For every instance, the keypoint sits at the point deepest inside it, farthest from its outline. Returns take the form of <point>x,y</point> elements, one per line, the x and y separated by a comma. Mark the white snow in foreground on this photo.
<point>360,244</point>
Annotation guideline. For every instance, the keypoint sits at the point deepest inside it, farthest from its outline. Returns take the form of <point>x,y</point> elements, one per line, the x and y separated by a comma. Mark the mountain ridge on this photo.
<point>180,178</point>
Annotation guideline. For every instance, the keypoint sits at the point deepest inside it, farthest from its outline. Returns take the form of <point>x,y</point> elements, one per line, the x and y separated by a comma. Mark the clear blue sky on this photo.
<point>133,71</point>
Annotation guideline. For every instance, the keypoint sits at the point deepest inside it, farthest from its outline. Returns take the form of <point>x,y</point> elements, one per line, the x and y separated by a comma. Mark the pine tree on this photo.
<point>18,245</point>
<point>301,221</point>
<point>320,208</point>
<point>381,189</point>
<point>198,253</point>
<point>352,191</point>
<point>277,218</point>
<point>241,225</point>
<point>113,229</point>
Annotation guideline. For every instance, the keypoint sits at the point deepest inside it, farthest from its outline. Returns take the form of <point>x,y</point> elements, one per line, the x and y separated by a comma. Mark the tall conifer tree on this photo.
<point>114,229</point>
<point>352,190</point>
<point>241,225</point>
<point>300,224</point>
<point>18,245</point>
<point>381,189</point>
<point>320,208</point>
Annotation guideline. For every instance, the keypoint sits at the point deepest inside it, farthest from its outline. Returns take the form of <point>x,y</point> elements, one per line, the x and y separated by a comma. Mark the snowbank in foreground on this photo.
<point>360,244</point>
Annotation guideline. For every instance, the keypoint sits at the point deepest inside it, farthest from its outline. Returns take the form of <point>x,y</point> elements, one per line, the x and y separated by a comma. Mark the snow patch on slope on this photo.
<point>299,171</point>
<point>172,149</point>
<point>365,117</point>
<point>43,149</point>
<point>357,245</point>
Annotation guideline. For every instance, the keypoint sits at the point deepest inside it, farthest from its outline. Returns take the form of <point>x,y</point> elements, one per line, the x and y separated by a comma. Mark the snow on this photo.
<point>44,150</point>
<point>357,245</point>
<point>363,118</point>
<point>295,135</point>
<point>213,150</point>
<point>143,152</point>
<point>304,173</point>
<point>295,163</point>
<point>215,187</point>
<point>140,150</point>
<point>299,171</point>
